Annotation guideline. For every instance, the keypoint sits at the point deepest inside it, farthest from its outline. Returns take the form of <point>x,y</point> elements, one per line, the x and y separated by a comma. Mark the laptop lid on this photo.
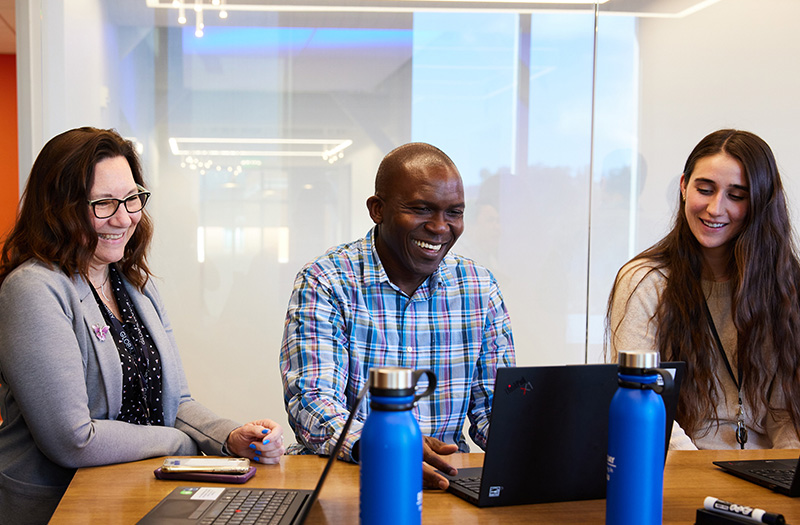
<point>189,505</point>
<point>549,434</point>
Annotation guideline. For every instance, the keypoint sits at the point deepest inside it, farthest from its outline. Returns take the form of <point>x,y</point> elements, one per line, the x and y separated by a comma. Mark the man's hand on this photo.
<point>432,450</point>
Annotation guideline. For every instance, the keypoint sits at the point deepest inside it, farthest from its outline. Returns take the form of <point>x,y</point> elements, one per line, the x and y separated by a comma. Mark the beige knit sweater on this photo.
<point>633,328</point>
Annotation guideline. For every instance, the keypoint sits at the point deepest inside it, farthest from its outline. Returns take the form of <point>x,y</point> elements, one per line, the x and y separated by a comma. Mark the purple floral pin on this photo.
<point>100,331</point>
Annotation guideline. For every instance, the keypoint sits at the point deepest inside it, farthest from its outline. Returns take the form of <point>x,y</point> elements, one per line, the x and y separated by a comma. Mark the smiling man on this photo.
<point>397,297</point>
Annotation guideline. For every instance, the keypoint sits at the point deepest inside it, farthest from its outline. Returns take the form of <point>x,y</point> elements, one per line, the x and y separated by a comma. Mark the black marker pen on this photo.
<point>742,511</point>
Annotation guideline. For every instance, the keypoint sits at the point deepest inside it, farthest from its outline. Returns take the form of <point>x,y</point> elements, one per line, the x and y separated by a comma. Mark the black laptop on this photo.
<point>548,438</point>
<point>197,505</point>
<point>779,475</point>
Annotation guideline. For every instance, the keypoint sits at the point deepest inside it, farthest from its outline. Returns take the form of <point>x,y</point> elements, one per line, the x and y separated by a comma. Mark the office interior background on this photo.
<point>260,133</point>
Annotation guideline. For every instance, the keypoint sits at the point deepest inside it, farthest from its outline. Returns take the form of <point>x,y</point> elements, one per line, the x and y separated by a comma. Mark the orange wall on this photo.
<point>9,170</point>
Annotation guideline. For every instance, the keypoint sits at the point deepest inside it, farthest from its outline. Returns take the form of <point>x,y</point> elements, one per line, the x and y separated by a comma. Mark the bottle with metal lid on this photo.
<point>391,448</point>
<point>636,427</point>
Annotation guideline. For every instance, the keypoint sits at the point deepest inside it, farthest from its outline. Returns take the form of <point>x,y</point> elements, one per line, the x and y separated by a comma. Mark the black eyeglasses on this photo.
<point>105,208</point>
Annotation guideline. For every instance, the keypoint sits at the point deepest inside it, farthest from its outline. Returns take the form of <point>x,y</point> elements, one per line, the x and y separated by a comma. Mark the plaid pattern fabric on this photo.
<point>345,317</point>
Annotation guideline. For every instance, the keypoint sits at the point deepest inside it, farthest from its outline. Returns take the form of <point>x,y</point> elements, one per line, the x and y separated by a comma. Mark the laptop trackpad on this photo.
<point>182,508</point>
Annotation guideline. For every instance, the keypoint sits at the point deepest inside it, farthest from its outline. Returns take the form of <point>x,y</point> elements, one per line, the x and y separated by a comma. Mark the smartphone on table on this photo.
<point>219,469</point>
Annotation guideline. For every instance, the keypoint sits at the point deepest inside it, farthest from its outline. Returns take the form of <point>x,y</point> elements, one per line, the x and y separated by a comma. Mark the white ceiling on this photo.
<point>8,33</point>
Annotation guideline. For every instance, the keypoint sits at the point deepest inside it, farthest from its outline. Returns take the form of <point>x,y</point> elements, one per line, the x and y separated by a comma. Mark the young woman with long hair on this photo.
<point>721,291</point>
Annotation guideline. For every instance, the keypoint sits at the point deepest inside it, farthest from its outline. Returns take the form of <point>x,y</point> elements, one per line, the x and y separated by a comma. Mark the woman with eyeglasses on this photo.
<point>721,292</point>
<point>89,369</point>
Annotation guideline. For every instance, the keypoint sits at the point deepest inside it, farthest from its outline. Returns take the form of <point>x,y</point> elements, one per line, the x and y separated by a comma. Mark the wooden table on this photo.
<point>126,492</point>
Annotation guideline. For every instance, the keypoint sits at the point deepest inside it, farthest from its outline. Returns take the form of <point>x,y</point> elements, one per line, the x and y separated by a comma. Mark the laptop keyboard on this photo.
<point>782,476</point>
<point>472,484</point>
<point>249,507</point>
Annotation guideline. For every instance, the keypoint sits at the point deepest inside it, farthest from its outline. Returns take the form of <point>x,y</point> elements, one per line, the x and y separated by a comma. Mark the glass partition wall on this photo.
<point>261,130</point>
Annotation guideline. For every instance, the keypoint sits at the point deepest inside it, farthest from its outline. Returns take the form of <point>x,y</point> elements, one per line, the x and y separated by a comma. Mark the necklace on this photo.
<point>102,287</point>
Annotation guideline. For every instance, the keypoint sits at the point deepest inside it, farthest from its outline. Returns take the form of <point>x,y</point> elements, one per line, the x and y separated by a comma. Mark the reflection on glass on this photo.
<point>261,140</point>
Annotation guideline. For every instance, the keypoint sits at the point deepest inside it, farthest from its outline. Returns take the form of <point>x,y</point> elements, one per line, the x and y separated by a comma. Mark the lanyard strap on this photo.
<point>724,355</point>
<point>741,430</point>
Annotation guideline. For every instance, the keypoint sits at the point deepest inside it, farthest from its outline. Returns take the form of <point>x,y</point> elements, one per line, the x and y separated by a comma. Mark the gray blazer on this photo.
<point>62,391</point>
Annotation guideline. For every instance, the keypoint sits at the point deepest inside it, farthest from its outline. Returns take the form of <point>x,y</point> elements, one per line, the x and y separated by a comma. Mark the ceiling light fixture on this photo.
<point>199,25</point>
<point>329,150</point>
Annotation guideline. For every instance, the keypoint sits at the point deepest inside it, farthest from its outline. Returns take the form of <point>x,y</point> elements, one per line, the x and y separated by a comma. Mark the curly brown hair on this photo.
<point>54,225</point>
<point>765,279</point>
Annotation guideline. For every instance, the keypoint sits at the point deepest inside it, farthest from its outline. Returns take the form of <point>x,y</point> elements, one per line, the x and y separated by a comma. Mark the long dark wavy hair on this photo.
<point>765,282</point>
<point>54,221</point>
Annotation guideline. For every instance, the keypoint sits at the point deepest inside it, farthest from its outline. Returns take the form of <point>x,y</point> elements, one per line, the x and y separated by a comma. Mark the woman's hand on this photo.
<point>261,441</point>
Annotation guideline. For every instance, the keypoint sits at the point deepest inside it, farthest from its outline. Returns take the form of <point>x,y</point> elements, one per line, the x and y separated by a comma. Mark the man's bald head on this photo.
<point>407,158</point>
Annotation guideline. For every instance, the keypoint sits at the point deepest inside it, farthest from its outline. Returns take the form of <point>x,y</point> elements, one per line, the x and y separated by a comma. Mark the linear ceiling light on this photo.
<point>325,149</point>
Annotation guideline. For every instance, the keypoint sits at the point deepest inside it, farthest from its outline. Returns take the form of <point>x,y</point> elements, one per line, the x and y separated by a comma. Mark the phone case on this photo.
<point>206,476</point>
<point>206,464</point>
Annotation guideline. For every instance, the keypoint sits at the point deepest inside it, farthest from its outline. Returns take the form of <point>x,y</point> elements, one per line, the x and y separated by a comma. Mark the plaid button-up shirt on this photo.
<point>345,317</point>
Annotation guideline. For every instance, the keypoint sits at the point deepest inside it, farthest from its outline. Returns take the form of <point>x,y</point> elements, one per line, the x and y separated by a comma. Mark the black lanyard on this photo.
<point>741,429</point>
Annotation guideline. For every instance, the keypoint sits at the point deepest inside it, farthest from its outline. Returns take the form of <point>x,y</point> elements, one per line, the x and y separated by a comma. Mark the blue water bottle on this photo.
<point>636,440</point>
<point>391,449</point>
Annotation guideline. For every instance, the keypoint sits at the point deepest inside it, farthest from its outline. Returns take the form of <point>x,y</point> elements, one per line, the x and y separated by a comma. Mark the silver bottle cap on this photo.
<point>638,359</point>
<point>391,378</point>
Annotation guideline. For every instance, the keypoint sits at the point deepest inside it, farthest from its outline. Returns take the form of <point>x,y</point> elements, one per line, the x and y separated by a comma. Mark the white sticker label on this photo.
<point>208,493</point>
